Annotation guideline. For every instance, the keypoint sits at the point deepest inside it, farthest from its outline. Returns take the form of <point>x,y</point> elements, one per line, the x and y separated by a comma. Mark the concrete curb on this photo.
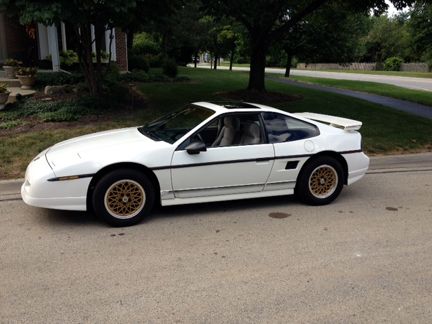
<point>10,189</point>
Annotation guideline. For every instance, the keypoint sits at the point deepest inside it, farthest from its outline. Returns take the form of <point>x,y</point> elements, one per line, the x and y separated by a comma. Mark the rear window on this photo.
<point>281,128</point>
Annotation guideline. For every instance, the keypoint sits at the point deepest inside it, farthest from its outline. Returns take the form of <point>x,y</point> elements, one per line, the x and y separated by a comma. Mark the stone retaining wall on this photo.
<point>406,67</point>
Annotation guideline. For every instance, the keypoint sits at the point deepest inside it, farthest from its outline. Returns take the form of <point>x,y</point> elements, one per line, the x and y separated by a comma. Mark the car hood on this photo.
<point>97,146</point>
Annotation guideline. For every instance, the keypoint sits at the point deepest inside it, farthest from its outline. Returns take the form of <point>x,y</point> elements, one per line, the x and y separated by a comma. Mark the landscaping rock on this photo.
<point>53,90</point>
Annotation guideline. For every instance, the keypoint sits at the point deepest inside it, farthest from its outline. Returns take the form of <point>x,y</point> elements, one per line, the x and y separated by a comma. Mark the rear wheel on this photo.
<point>123,197</point>
<point>320,181</point>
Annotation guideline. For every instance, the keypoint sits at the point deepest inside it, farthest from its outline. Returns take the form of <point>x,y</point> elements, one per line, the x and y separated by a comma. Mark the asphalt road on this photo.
<point>405,82</point>
<point>365,258</point>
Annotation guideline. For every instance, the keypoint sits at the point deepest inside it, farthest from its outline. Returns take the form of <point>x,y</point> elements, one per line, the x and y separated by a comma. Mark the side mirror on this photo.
<point>196,147</point>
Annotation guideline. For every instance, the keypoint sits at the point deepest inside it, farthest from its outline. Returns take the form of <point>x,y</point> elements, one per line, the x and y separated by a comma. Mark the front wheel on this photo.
<point>320,181</point>
<point>123,197</point>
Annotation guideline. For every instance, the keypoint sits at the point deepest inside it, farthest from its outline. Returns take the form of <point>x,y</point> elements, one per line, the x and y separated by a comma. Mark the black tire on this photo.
<point>320,182</point>
<point>123,197</point>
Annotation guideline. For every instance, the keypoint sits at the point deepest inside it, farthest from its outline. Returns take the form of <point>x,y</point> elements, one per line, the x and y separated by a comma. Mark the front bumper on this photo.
<point>39,192</point>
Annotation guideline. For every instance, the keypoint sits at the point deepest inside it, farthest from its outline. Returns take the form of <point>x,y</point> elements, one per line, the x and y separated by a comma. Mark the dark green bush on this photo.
<point>144,43</point>
<point>135,76</point>
<point>393,63</point>
<point>155,61</point>
<point>58,78</point>
<point>138,62</point>
<point>169,68</point>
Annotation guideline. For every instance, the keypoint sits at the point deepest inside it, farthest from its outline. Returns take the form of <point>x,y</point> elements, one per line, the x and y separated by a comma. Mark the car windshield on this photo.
<point>173,126</point>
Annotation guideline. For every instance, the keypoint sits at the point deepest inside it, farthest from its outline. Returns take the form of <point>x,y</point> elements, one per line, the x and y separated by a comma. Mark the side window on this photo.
<point>231,130</point>
<point>281,128</point>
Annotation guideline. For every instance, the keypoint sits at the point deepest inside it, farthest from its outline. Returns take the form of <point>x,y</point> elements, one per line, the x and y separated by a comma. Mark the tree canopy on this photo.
<point>267,21</point>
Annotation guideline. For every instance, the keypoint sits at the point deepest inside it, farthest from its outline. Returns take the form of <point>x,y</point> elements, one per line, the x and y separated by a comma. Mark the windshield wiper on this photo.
<point>147,132</point>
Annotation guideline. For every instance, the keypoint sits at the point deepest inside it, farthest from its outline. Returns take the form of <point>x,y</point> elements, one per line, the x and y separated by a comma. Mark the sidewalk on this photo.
<point>10,189</point>
<point>402,105</point>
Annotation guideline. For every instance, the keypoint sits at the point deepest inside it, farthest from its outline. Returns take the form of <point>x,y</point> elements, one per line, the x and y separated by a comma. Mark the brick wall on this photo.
<point>121,50</point>
<point>20,41</point>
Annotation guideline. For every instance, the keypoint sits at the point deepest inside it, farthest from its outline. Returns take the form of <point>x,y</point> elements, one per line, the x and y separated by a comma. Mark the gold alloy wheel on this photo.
<point>125,199</point>
<point>323,181</point>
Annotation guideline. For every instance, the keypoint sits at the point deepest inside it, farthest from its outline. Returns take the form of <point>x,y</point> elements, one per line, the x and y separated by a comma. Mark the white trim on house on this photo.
<point>113,45</point>
<point>92,29</point>
<point>53,47</point>
<point>63,36</point>
<point>43,47</point>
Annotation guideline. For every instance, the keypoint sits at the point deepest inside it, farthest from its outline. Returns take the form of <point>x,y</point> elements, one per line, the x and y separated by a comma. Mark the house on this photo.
<point>37,43</point>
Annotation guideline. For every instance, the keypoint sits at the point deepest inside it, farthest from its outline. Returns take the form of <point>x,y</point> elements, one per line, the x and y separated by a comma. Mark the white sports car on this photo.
<point>201,153</point>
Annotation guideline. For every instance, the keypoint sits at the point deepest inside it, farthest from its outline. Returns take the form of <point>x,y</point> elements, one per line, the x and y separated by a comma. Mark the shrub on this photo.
<point>155,61</point>
<point>135,76</point>
<point>58,78</point>
<point>29,71</point>
<point>68,58</point>
<point>138,62</point>
<point>145,44</point>
<point>169,68</point>
<point>12,62</point>
<point>393,63</point>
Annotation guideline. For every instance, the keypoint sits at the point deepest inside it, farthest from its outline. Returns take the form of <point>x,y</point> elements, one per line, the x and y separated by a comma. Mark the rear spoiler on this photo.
<point>339,122</point>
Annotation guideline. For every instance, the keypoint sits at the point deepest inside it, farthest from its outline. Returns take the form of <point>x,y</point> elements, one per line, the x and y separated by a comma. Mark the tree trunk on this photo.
<point>215,61</point>
<point>85,57</point>
<point>231,59</point>
<point>196,58</point>
<point>288,64</point>
<point>257,66</point>
<point>130,37</point>
<point>99,35</point>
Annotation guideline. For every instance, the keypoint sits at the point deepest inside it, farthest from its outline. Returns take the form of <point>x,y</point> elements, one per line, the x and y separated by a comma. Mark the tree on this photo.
<point>82,15</point>
<point>387,37</point>
<point>268,21</point>
<point>319,39</point>
<point>421,30</point>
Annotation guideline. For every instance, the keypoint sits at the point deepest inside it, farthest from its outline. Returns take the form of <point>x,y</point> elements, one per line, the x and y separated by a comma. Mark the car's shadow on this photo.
<point>77,218</point>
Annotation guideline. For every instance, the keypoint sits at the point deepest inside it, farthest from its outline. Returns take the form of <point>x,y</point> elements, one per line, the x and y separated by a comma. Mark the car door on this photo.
<point>234,165</point>
<point>293,145</point>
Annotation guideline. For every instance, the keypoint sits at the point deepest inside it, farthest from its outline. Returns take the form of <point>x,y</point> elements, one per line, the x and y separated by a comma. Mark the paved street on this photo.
<point>365,258</point>
<point>405,82</point>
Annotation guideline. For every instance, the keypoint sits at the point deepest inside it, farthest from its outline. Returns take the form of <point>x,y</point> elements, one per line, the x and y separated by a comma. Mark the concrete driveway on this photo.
<point>404,82</point>
<point>365,258</point>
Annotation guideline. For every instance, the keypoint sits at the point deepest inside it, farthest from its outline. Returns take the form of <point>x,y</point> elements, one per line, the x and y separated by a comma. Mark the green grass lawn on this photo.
<point>226,63</point>
<point>394,73</point>
<point>384,130</point>
<point>423,97</point>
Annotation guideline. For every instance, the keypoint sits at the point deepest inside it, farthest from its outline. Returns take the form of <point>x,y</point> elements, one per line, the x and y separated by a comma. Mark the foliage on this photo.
<point>12,62</point>
<point>138,62</point>
<point>145,43</point>
<point>393,63</point>
<point>3,88</point>
<point>68,58</point>
<point>170,68</point>
<point>135,76</point>
<point>82,15</point>
<point>266,24</point>
<point>10,124</point>
<point>58,78</point>
<point>27,71</point>
<point>155,61</point>
<point>421,30</point>
<point>386,37</point>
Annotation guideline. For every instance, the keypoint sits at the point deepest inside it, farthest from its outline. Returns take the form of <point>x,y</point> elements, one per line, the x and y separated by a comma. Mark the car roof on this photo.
<point>232,106</point>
